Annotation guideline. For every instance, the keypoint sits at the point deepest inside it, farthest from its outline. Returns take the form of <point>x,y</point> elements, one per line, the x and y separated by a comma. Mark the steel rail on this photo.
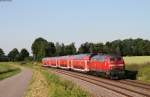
<point>106,83</point>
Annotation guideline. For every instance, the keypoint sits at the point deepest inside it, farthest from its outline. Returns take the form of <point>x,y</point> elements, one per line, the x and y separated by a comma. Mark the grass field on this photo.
<point>141,64</point>
<point>7,70</point>
<point>137,60</point>
<point>46,84</point>
<point>38,86</point>
<point>63,88</point>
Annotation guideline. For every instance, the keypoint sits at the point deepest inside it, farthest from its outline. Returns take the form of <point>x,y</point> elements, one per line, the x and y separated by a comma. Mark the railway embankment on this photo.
<point>101,87</point>
<point>46,84</point>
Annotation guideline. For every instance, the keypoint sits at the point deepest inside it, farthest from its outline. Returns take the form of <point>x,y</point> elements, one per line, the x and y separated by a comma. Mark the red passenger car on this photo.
<point>111,65</point>
<point>63,62</point>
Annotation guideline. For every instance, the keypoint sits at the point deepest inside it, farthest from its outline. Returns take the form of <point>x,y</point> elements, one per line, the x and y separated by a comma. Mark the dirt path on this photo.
<point>15,86</point>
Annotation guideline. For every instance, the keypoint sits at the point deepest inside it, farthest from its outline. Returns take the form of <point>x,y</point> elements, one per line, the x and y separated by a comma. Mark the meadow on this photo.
<point>7,70</point>
<point>141,64</point>
<point>137,60</point>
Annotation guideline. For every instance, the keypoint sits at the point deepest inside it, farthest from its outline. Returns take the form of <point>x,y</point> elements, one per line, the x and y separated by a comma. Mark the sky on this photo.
<point>66,21</point>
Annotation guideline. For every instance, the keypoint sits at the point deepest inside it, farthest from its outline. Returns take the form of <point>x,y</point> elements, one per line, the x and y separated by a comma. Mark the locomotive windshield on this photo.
<point>115,58</point>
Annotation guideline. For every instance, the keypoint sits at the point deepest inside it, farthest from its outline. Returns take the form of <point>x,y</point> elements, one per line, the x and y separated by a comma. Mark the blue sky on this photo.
<point>22,21</point>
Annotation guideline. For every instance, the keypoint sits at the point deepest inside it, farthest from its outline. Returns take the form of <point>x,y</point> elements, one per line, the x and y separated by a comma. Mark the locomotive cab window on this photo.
<point>117,58</point>
<point>112,59</point>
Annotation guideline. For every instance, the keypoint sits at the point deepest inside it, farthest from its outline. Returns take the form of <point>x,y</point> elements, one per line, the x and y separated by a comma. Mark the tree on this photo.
<point>1,52</point>
<point>50,50</point>
<point>23,54</point>
<point>96,47</point>
<point>39,48</point>
<point>60,49</point>
<point>129,47</point>
<point>116,47</point>
<point>13,54</point>
<point>91,48</point>
<point>85,48</point>
<point>70,49</point>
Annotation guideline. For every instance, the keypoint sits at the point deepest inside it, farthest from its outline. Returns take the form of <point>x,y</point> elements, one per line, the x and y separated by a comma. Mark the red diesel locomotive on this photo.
<point>111,65</point>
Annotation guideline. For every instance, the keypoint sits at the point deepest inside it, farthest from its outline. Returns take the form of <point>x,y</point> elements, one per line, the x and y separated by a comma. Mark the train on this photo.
<point>111,66</point>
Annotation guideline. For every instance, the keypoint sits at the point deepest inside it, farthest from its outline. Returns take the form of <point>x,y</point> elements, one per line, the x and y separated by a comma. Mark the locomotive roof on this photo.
<point>82,56</point>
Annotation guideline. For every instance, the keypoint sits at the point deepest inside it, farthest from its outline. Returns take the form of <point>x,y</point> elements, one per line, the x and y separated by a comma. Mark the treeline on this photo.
<point>15,55</point>
<point>128,47</point>
<point>43,48</point>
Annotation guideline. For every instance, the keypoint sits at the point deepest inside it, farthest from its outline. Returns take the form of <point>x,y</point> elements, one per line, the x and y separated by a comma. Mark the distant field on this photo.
<point>7,70</point>
<point>137,60</point>
<point>141,64</point>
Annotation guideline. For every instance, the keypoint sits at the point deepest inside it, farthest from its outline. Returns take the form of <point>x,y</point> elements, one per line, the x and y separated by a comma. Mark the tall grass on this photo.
<point>57,86</point>
<point>63,88</point>
<point>141,64</point>
<point>38,86</point>
<point>7,70</point>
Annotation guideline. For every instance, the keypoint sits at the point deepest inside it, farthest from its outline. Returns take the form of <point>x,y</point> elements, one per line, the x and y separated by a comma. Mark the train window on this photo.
<point>98,58</point>
<point>80,56</point>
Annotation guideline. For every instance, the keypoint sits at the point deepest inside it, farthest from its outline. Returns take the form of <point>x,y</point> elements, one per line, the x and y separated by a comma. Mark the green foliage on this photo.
<point>14,54</point>
<point>136,60</point>
<point>50,50</point>
<point>4,58</point>
<point>70,49</point>
<point>91,48</point>
<point>1,52</point>
<point>28,59</point>
<point>39,48</point>
<point>135,47</point>
<point>18,58</point>
<point>63,88</point>
<point>97,48</point>
<point>128,47</point>
<point>23,54</point>
<point>57,86</point>
<point>60,49</point>
<point>7,70</point>
<point>142,69</point>
<point>85,48</point>
<point>141,64</point>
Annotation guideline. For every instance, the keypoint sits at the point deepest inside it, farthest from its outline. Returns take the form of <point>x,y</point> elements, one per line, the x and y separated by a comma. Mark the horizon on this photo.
<point>72,21</point>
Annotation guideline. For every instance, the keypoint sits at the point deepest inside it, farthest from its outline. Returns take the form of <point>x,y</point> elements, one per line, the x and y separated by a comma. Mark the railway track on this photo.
<point>125,88</point>
<point>136,84</point>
